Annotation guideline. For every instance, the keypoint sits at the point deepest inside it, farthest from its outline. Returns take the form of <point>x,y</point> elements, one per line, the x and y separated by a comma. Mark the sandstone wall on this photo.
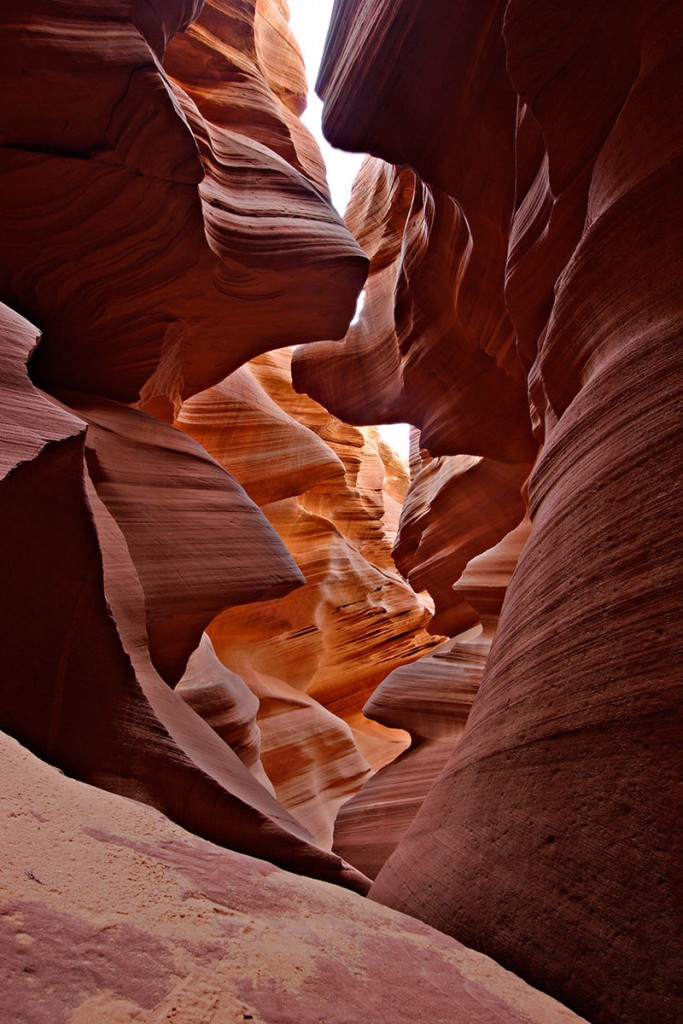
<point>186,536</point>
<point>164,218</point>
<point>544,182</point>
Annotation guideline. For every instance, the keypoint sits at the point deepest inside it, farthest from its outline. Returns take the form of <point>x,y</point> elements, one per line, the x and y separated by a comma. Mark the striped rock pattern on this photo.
<point>160,226</point>
<point>528,265</point>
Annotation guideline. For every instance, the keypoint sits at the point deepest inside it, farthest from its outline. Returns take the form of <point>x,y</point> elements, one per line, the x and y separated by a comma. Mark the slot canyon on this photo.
<point>296,730</point>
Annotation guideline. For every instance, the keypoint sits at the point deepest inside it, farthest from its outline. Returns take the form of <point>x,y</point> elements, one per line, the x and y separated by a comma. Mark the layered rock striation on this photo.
<point>332,494</point>
<point>431,699</point>
<point>164,218</point>
<point>197,532</point>
<point>544,165</point>
<point>152,228</point>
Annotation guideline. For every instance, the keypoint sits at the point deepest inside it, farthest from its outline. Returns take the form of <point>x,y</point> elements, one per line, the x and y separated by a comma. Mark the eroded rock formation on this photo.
<point>146,239</point>
<point>332,493</point>
<point>146,221</point>
<point>545,176</point>
<point>431,699</point>
<point>200,592</point>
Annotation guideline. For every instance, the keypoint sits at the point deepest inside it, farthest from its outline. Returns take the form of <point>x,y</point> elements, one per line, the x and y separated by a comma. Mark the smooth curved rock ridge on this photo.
<point>273,455</point>
<point>334,529</point>
<point>178,247</point>
<point>197,541</point>
<point>312,759</point>
<point>432,299</point>
<point>549,839</point>
<point>226,703</point>
<point>171,926</point>
<point>377,481</point>
<point>456,508</point>
<point>81,689</point>
<point>31,423</point>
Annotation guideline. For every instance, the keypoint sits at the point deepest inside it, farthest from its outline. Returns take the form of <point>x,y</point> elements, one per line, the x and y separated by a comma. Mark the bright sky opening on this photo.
<point>309,20</point>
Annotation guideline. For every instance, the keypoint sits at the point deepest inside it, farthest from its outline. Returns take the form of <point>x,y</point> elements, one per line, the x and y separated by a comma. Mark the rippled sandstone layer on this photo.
<point>331,492</point>
<point>545,167</point>
<point>164,223</point>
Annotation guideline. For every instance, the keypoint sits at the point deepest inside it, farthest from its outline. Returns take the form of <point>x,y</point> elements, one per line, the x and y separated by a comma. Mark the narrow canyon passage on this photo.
<point>297,729</point>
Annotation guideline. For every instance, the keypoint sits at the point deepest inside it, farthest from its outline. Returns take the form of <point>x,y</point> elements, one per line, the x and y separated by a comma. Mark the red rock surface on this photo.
<point>165,217</point>
<point>428,302</point>
<point>226,703</point>
<point>165,222</point>
<point>326,489</point>
<point>110,913</point>
<point>483,499</point>
<point>549,839</point>
<point>145,226</point>
<point>130,732</point>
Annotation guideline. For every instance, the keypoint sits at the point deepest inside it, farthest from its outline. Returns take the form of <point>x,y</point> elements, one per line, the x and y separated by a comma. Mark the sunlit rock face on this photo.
<point>164,218</point>
<point>332,493</point>
<point>111,913</point>
<point>545,164</point>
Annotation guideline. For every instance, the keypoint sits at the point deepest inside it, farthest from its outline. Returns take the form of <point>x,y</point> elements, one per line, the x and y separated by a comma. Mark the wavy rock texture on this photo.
<point>129,733</point>
<point>431,699</point>
<point>419,314</point>
<point>483,499</point>
<point>549,839</point>
<point>170,926</point>
<point>326,488</point>
<point>165,220</point>
<point>157,236</point>
<point>429,302</point>
<point>332,492</point>
<point>144,237</point>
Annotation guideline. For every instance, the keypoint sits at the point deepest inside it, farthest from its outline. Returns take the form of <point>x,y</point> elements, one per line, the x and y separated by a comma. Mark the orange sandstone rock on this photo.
<point>331,492</point>
<point>226,703</point>
<point>81,689</point>
<point>155,250</point>
<point>431,699</point>
<point>311,757</point>
<point>482,499</point>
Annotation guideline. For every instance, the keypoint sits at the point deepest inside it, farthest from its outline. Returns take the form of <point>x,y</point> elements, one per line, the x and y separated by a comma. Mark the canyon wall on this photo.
<point>524,291</point>
<point>166,223</point>
<point>332,492</point>
<point>165,218</point>
<point>212,566</point>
